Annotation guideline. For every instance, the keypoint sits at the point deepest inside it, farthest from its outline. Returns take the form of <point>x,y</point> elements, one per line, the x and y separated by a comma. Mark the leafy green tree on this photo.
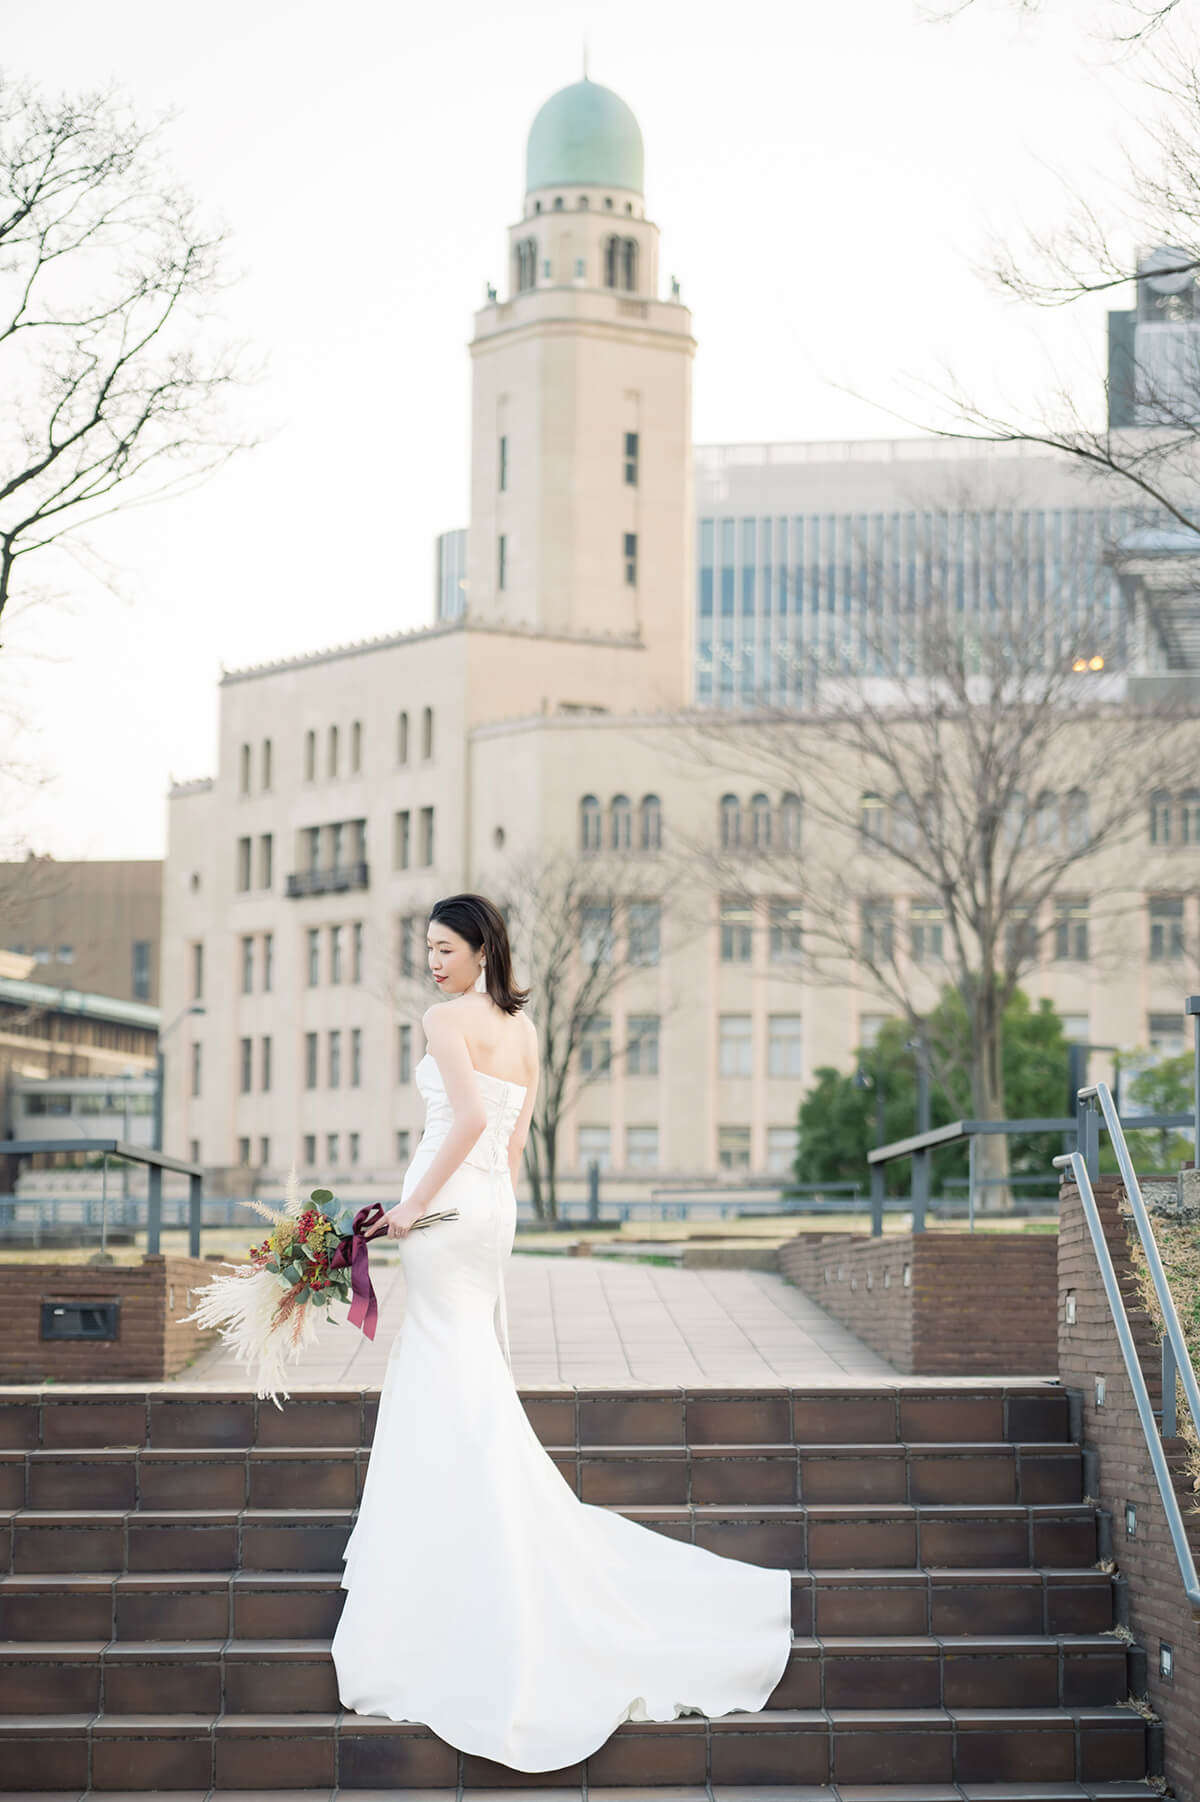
<point>1162,1088</point>
<point>839,1116</point>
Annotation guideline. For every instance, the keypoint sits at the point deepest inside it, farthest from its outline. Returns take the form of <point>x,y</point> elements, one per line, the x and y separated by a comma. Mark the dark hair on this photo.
<point>481,923</point>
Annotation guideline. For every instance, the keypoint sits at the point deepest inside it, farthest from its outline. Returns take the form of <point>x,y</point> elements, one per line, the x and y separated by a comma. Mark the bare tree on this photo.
<point>966,778</point>
<point>1134,21</point>
<point>114,392</point>
<point>578,938</point>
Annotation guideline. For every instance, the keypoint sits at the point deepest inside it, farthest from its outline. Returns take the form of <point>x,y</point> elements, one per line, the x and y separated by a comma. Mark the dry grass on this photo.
<point>1179,1248</point>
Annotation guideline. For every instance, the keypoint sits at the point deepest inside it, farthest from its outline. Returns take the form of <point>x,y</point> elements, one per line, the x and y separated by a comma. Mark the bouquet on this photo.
<point>267,1310</point>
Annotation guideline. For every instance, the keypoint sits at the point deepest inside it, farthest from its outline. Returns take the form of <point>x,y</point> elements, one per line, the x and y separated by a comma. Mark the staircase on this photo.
<point>166,1605</point>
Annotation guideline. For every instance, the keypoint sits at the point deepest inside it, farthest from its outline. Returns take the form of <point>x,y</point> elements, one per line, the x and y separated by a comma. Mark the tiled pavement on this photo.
<point>590,1321</point>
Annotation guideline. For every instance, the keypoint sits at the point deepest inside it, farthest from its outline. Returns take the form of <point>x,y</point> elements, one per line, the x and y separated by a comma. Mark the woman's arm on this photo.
<point>449,1048</point>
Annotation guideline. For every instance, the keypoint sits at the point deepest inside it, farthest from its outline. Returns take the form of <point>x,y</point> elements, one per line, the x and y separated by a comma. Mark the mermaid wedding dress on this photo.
<point>484,1599</point>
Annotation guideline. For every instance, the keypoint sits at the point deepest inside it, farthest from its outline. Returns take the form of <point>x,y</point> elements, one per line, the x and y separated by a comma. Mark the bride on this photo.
<point>484,1599</point>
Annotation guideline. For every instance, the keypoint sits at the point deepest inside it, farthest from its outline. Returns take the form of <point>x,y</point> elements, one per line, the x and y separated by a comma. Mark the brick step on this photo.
<point>780,1746</point>
<point>272,1477</point>
<point>862,1414</point>
<point>249,1676</point>
<point>934,1792</point>
<point>806,1535</point>
<point>301,1605</point>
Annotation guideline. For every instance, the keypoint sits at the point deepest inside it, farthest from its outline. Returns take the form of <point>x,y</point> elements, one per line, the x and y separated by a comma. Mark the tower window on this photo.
<point>629,206</point>
<point>608,202</point>
<point>537,206</point>
<point>546,267</point>
<point>584,203</point>
<point>631,459</point>
<point>631,559</point>
<point>503,464</point>
<point>502,561</point>
<point>620,263</point>
<point>558,203</point>
<point>526,264</point>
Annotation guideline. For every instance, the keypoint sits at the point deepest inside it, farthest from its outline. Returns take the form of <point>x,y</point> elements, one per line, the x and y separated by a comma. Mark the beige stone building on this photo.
<point>91,925</point>
<point>549,710</point>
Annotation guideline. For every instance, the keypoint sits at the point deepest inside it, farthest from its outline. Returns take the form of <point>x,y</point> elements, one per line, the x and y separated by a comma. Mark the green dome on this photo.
<point>584,136</point>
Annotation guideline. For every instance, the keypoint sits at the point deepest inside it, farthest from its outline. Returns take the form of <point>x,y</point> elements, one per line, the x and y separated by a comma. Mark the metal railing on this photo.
<point>330,881</point>
<point>1084,1164</point>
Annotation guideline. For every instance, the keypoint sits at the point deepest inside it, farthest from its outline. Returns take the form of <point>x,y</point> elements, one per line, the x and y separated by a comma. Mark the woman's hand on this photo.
<point>399,1220</point>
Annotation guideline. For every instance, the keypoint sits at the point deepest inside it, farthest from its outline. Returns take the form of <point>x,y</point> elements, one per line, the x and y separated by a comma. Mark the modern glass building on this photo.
<point>814,559</point>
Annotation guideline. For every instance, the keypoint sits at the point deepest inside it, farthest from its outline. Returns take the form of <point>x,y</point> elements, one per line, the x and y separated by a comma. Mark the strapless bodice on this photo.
<point>502,1101</point>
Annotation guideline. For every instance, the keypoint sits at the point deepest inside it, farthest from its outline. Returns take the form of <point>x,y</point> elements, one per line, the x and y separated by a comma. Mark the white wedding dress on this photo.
<point>484,1599</point>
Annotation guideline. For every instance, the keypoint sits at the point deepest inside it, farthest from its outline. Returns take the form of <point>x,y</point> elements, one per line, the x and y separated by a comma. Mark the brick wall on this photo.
<point>150,1343</point>
<point>1158,1612</point>
<point>937,1304</point>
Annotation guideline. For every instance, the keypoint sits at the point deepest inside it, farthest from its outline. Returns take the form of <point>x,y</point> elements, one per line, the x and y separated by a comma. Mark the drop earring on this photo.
<point>481,980</point>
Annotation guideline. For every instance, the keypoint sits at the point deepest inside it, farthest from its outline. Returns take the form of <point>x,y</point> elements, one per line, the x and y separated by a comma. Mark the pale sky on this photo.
<point>827,179</point>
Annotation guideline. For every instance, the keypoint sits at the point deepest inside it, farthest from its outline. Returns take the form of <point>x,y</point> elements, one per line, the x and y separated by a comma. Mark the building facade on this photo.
<point>550,708</point>
<point>92,926</point>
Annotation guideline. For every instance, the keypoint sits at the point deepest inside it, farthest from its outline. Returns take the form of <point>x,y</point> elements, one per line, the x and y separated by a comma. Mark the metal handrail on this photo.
<point>1078,1165</point>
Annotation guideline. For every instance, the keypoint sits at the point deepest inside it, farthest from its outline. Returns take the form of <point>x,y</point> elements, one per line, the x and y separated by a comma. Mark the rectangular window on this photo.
<point>335,954</point>
<point>733,1147</point>
<point>402,1144</point>
<point>194,1150</point>
<point>645,932</point>
<point>247,966</point>
<point>312,843</point>
<point>927,923</point>
<point>869,1028</point>
<point>266,763</point>
<point>356,747</point>
<point>332,756</point>
<point>354,1144</point>
<point>785,941</point>
<point>1071,931</point>
<point>337,837</point>
<point>243,866</point>
<point>264,1153</point>
<point>402,840</point>
<point>266,860</point>
<point>1020,937</point>
<point>310,1149</point>
<point>264,1066</point>
<point>641,1148</point>
<point>1166,928</point>
<point>402,738</point>
<point>781,1150</point>
<point>641,1055</point>
<point>426,836</point>
<point>502,480</point>
<point>335,1060</point>
<point>65,954</point>
<point>631,459</point>
<point>631,559</point>
<point>595,1147</point>
<point>197,1066</point>
<point>737,926</point>
<point>314,956</point>
<point>198,971</point>
<point>502,561</point>
<point>427,734</point>
<point>268,962</point>
<point>332,1148</point>
<point>1167,1035</point>
<point>595,1046</point>
<point>406,942</point>
<point>141,969</point>
<point>735,1045</point>
<point>310,762</point>
<point>246,1078</point>
<point>785,1045</point>
<point>356,951</point>
<point>244,770</point>
<point>310,1060</point>
<point>1077,1028</point>
<point>244,1152</point>
<point>596,934</point>
<point>404,1059</point>
<point>356,1057</point>
<point>875,926</point>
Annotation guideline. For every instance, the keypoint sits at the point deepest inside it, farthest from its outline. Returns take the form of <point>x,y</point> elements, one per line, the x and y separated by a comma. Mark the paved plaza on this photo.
<point>596,1321</point>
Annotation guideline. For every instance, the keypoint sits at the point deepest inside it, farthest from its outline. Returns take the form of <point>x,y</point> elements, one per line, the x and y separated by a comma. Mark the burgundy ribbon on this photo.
<point>351,1254</point>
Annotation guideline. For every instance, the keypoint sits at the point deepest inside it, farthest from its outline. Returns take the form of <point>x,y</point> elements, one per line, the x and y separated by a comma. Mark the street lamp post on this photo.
<point>154,1211</point>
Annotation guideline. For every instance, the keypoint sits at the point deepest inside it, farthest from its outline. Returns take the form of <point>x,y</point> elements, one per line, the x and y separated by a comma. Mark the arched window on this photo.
<point>1189,816</point>
<point>590,824</point>
<point>760,822</point>
<point>1075,819</point>
<point>621,263</point>
<point>731,822</point>
<point>526,264</point>
<point>651,836</point>
<point>1160,817</point>
<point>558,203</point>
<point>791,814</point>
<point>621,823</point>
<point>872,818</point>
<point>629,264</point>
